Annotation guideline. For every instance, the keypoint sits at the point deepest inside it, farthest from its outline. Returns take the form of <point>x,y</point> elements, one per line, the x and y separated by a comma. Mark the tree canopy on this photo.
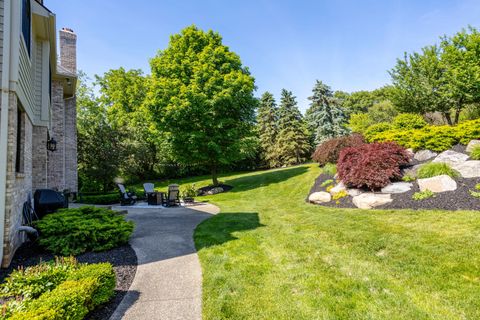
<point>202,98</point>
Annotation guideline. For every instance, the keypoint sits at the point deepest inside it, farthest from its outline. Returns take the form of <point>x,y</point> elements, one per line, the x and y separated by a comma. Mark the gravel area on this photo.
<point>122,258</point>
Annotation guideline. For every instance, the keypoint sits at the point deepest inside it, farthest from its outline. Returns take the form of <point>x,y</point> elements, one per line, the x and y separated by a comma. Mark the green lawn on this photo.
<point>270,255</point>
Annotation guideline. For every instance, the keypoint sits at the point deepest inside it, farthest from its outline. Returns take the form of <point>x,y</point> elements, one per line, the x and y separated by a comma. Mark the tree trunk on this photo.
<point>214,175</point>
<point>448,118</point>
<point>457,115</point>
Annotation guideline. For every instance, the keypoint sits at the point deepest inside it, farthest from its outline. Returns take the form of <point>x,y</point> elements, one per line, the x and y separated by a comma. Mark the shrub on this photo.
<point>190,191</point>
<point>110,198</point>
<point>475,154</point>
<point>339,195</point>
<point>436,138</point>
<point>326,183</point>
<point>359,122</point>
<point>433,169</point>
<point>328,151</point>
<point>423,195</point>
<point>31,282</point>
<point>74,231</point>
<point>375,129</point>
<point>330,169</point>
<point>84,286</point>
<point>409,121</point>
<point>103,273</point>
<point>371,165</point>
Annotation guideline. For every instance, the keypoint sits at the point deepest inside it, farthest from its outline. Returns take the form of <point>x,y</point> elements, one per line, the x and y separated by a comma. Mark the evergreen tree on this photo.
<point>325,118</point>
<point>267,129</point>
<point>292,140</point>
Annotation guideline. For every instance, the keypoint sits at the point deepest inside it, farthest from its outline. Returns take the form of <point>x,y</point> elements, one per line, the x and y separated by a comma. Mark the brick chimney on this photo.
<point>68,50</point>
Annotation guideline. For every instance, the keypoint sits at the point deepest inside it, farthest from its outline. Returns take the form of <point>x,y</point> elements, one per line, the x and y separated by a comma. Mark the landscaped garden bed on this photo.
<point>386,176</point>
<point>98,238</point>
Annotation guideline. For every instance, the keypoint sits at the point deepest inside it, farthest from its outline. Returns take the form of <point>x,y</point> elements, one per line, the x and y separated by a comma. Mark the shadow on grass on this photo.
<point>220,228</point>
<point>264,179</point>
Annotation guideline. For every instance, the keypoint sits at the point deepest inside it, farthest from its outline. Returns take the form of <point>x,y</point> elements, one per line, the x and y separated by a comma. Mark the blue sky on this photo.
<point>350,45</point>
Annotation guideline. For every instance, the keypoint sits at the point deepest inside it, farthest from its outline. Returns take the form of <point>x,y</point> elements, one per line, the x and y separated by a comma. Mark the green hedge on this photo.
<point>435,138</point>
<point>110,198</point>
<point>84,287</point>
<point>74,231</point>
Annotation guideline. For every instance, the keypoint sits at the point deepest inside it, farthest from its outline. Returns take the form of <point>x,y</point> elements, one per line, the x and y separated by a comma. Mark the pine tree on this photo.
<point>267,129</point>
<point>292,141</point>
<point>325,118</point>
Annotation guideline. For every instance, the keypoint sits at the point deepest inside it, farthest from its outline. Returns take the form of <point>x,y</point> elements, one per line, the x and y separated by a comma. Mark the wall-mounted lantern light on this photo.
<point>51,144</point>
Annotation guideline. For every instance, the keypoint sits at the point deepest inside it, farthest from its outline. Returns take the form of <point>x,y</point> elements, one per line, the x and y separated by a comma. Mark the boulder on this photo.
<point>353,192</point>
<point>320,197</point>
<point>338,188</point>
<point>424,155</point>
<point>398,187</point>
<point>412,171</point>
<point>215,190</point>
<point>468,169</point>
<point>472,144</point>
<point>369,200</point>
<point>437,184</point>
<point>451,157</point>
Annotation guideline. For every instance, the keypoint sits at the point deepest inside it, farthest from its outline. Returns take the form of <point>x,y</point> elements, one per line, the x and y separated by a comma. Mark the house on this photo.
<point>38,105</point>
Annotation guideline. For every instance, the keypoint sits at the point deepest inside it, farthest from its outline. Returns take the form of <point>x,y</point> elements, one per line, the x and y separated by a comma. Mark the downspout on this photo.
<point>4,118</point>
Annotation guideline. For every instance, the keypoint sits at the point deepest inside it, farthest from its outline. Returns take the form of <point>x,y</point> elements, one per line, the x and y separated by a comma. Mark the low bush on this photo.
<point>435,138</point>
<point>82,288</point>
<point>375,129</point>
<point>328,151</point>
<point>74,231</point>
<point>423,195</point>
<point>371,165</point>
<point>326,183</point>
<point>31,282</point>
<point>330,169</point>
<point>110,198</point>
<point>409,121</point>
<point>434,169</point>
<point>475,153</point>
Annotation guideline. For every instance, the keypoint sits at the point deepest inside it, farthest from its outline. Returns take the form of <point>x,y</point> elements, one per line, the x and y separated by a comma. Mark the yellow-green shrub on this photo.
<point>436,138</point>
<point>409,121</point>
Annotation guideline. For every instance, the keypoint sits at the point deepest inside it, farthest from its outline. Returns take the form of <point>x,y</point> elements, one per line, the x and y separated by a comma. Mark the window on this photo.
<point>26,22</point>
<point>19,159</point>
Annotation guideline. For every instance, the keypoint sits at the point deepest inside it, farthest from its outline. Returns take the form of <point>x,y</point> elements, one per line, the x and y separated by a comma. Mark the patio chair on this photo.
<point>148,188</point>
<point>126,197</point>
<point>173,196</point>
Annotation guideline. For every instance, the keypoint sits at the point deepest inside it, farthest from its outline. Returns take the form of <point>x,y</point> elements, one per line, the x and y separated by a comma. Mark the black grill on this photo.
<point>48,201</point>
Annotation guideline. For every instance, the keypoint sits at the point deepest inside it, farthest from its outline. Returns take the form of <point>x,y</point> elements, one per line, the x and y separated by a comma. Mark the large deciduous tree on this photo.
<point>99,145</point>
<point>325,117</point>
<point>292,141</point>
<point>461,59</point>
<point>441,78</point>
<point>267,128</point>
<point>123,94</point>
<point>202,97</point>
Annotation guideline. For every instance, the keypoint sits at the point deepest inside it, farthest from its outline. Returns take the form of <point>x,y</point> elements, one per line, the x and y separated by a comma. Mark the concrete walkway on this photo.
<point>168,282</point>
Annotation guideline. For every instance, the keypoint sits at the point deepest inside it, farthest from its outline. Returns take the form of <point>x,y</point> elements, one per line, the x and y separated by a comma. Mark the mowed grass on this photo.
<point>270,255</point>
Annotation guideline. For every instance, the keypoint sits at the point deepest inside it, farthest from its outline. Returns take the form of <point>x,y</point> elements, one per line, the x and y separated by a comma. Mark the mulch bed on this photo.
<point>204,190</point>
<point>122,258</point>
<point>460,199</point>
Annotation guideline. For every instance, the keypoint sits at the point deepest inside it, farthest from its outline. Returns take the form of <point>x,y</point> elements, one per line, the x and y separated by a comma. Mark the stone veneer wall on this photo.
<point>19,185</point>
<point>56,160</point>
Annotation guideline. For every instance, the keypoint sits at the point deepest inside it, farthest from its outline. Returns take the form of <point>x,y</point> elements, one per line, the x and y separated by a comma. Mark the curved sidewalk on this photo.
<point>168,281</point>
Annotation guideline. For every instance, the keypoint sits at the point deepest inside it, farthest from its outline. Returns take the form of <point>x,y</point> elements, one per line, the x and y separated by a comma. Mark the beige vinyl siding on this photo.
<point>1,36</point>
<point>37,64</point>
<point>25,89</point>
